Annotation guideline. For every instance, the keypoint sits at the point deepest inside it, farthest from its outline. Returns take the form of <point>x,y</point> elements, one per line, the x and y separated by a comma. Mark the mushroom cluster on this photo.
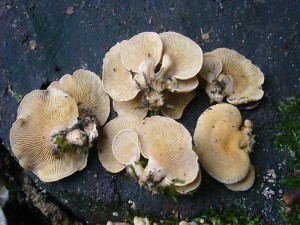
<point>230,75</point>
<point>223,146</point>
<point>55,127</point>
<point>151,71</point>
<point>157,150</point>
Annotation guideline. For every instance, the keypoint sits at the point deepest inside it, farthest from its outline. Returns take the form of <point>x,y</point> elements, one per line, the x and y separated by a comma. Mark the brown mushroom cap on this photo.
<point>131,107</point>
<point>183,56</point>
<point>246,183</point>
<point>107,135</point>
<point>220,144</point>
<point>186,189</point>
<point>247,78</point>
<point>40,115</point>
<point>117,80</point>
<point>168,145</point>
<point>139,48</point>
<point>125,147</point>
<point>176,103</point>
<point>211,68</point>
<point>86,87</point>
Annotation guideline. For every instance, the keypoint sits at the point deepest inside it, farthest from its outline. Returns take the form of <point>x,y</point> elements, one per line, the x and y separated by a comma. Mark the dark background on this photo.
<point>265,31</point>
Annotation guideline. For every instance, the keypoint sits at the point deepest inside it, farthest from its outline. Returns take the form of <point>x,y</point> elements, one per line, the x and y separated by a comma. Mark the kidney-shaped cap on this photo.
<point>41,114</point>
<point>248,78</point>
<point>86,87</point>
<point>139,48</point>
<point>169,145</point>
<point>125,147</point>
<point>184,57</point>
<point>117,80</point>
<point>218,141</point>
<point>107,136</point>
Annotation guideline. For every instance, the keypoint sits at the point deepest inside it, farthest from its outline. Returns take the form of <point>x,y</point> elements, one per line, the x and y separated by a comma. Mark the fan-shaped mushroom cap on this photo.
<point>220,144</point>
<point>246,183</point>
<point>186,189</point>
<point>117,80</point>
<point>86,87</point>
<point>176,103</point>
<point>168,146</point>
<point>125,147</point>
<point>139,48</point>
<point>182,57</point>
<point>211,68</point>
<point>40,115</point>
<point>108,133</point>
<point>132,106</point>
<point>247,78</point>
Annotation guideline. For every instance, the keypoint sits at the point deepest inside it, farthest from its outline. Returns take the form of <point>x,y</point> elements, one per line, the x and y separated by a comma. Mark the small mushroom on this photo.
<point>222,144</point>
<point>86,87</point>
<point>142,53</point>
<point>246,183</point>
<point>239,81</point>
<point>42,116</point>
<point>140,221</point>
<point>211,68</point>
<point>168,146</point>
<point>107,136</point>
<point>126,149</point>
<point>117,79</point>
<point>182,58</point>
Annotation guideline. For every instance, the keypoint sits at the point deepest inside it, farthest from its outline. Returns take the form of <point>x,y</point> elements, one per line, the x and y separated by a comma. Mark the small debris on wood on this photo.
<point>69,10</point>
<point>33,45</point>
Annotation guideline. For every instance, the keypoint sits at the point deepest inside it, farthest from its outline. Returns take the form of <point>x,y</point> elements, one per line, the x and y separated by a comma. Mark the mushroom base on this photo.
<point>78,138</point>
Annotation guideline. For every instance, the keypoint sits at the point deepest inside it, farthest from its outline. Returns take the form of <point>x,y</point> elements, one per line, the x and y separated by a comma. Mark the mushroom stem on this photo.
<point>247,140</point>
<point>77,138</point>
<point>220,87</point>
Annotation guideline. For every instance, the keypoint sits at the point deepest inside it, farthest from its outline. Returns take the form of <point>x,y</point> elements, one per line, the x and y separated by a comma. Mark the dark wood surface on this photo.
<point>265,31</point>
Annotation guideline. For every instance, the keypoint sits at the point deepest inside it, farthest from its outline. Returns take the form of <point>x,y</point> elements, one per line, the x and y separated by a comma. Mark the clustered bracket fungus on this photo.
<point>152,72</point>
<point>230,75</point>
<point>223,146</point>
<point>56,127</point>
<point>166,147</point>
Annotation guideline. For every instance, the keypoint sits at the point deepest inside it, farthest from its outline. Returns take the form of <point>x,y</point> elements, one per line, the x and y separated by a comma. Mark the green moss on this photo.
<point>288,141</point>
<point>66,147</point>
<point>18,97</point>
<point>168,192</point>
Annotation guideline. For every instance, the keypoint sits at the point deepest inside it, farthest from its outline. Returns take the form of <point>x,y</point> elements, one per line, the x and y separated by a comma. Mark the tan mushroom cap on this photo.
<point>117,80</point>
<point>221,145</point>
<point>125,147</point>
<point>131,107</point>
<point>182,57</point>
<point>248,78</point>
<point>40,114</point>
<point>186,189</point>
<point>246,183</point>
<point>139,48</point>
<point>176,103</point>
<point>168,145</point>
<point>211,68</point>
<point>86,87</point>
<point>107,135</point>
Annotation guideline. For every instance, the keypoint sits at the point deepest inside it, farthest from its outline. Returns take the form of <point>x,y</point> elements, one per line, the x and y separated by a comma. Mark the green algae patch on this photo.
<point>287,140</point>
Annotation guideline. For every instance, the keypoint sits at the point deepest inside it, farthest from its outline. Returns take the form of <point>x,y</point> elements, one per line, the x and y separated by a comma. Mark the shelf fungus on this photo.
<point>168,147</point>
<point>152,72</point>
<point>87,89</point>
<point>222,144</point>
<point>56,127</point>
<point>230,75</point>
<point>118,145</point>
